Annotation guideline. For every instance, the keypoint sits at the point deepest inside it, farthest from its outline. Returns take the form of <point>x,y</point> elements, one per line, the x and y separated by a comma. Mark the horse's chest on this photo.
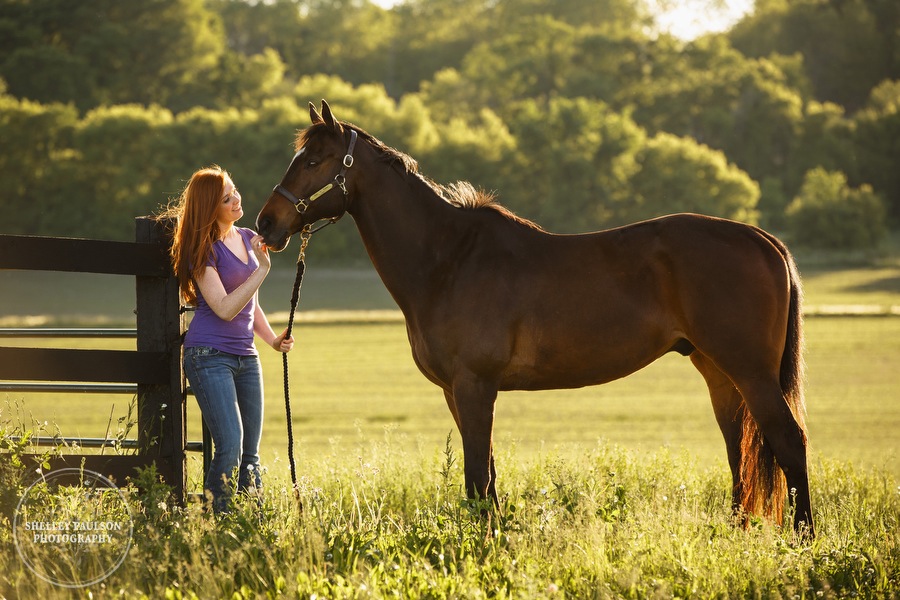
<point>446,350</point>
<point>430,361</point>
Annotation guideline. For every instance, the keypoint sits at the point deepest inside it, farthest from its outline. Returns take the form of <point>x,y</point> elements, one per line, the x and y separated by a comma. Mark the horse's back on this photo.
<point>683,250</point>
<point>688,251</point>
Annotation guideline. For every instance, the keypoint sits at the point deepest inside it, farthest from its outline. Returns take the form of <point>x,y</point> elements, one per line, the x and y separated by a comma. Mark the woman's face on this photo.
<point>230,209</point>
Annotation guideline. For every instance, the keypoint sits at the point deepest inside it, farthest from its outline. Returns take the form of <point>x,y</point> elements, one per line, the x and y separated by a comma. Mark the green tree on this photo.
<point>117,177</point>
<point>532,59</point>
<point>720,98</point>
<point>437,35</point>
<point>876,147</point>
<point>480,150</point>
<point>433,35</point>
<point>106,51</point>
<point>848,46</point>
<point>49,75</point>
<point>679,175</point>
<point>37,168</point>
<point>235,81</point>
<point>252,27</point>
<point>612,68</point>
<point>825,138</point>
<point>608,16</point>
<point>827,213</point>
<point>574,160</point>
<point>350,39</point>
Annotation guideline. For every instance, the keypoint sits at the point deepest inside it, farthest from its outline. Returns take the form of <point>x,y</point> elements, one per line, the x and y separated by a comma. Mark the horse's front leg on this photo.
<point>492,486</point>
<point>474,400</point>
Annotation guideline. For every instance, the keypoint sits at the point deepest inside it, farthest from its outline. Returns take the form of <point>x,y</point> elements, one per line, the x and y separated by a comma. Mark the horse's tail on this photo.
<point>763,484</point>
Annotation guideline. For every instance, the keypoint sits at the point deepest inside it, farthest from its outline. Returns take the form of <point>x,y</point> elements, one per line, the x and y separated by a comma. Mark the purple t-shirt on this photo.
<point>206,328</point>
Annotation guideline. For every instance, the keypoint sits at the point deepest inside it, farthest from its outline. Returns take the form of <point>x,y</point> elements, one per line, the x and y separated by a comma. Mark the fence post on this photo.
<point>162,409</point>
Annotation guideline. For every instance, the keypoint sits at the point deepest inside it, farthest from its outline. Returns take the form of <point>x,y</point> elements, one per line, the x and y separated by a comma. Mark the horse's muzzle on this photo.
<point>275,242</point>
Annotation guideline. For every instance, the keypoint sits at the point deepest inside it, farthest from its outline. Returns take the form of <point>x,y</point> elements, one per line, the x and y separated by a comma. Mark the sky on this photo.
<point>692,18</point>
<point>687,19</point>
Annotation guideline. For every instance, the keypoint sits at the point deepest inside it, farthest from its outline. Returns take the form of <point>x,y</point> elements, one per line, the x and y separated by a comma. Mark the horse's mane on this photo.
<point>461,194</point>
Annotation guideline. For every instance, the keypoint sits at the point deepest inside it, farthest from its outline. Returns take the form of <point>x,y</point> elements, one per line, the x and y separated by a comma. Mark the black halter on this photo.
<point>302,204</point>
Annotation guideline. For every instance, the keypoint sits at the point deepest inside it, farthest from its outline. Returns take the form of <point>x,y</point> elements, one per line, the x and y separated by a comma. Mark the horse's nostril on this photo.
<point>263,225</point>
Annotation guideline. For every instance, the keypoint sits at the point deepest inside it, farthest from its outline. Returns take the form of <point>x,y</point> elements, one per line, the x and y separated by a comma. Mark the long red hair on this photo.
<point>196,227</point>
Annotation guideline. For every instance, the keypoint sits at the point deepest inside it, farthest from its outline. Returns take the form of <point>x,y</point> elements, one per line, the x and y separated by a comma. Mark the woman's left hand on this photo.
<point>282,343</point>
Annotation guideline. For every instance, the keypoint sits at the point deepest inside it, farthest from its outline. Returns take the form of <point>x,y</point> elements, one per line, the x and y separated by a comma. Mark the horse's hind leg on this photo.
<point>781,429</point>
<point>729,409</point>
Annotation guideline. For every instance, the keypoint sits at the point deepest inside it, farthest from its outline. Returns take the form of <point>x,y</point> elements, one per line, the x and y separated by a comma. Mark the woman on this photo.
<point>220,268</point>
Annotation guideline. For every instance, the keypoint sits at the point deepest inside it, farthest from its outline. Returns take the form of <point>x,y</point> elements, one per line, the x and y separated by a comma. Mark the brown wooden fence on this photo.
<point>153,372</point>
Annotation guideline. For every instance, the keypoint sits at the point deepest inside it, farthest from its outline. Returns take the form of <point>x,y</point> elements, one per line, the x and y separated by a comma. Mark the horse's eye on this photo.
<point>312,163</point>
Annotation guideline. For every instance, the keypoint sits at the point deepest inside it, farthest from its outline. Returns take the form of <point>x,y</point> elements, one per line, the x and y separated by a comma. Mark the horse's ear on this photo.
<point>329,119</point>
<point>314,115</point>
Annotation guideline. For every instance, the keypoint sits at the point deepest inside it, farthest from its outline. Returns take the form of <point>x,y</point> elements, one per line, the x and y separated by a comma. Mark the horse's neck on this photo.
<point>404,227</point>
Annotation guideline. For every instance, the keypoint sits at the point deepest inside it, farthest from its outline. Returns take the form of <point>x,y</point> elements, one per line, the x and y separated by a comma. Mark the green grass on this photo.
<point>385,521</point>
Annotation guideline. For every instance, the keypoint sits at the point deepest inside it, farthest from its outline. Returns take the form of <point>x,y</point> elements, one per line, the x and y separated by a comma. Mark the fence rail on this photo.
<point>77,388</point>
<point>95,442</point>
<point>66,332</point>
<point>38,253</point>
<point>64,364</point>
<point>82,442</point>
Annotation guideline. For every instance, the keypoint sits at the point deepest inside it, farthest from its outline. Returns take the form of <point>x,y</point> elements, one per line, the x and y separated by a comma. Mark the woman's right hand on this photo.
<point>261,252</point>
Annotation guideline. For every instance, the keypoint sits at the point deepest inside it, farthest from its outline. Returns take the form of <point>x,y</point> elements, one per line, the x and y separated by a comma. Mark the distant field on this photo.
<point>86,297</point>
<point>873,286</point>
<point>76,297</point>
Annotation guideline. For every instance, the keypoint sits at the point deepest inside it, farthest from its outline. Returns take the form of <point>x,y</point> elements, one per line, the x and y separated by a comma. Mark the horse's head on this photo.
<point>314,186</point>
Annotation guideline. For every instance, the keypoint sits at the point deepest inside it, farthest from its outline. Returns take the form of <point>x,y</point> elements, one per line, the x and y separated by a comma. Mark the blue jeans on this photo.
<point>229,390</point>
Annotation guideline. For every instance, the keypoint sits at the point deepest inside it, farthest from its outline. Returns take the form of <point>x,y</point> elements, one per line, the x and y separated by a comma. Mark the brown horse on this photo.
<point>492,302</point>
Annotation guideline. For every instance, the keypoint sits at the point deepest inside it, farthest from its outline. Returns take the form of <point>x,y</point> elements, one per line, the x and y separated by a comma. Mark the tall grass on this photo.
<point>390,522</point>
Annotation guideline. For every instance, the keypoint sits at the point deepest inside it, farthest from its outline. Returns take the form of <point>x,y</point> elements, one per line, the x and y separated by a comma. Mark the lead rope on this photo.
<point>295,299</point>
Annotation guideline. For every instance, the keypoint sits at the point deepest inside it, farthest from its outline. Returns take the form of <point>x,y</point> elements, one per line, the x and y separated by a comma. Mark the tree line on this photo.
<point>579,115</point>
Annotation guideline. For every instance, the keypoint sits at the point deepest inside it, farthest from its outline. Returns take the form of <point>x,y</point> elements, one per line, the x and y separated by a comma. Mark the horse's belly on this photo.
<point>577,361</point>
<point>554,379</point>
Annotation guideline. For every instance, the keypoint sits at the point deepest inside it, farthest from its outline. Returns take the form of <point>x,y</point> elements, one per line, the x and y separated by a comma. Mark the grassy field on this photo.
<point>356,383</point>
<point>383,521</point>
<point>612,491</point>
